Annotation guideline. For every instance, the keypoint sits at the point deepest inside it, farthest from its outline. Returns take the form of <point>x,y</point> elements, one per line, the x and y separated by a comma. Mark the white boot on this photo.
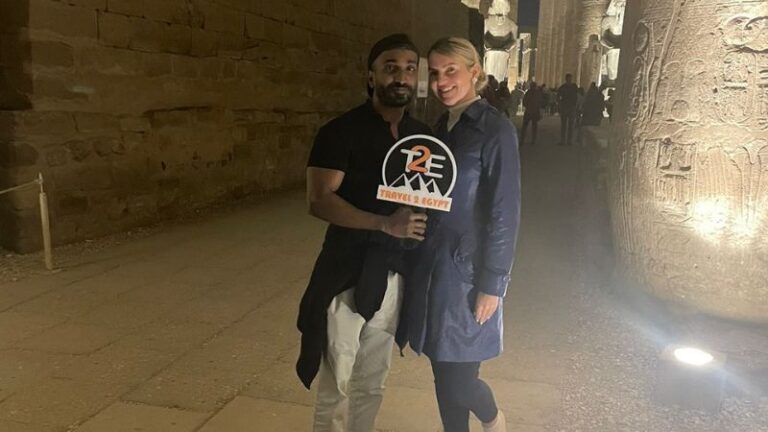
<point>497,425</point>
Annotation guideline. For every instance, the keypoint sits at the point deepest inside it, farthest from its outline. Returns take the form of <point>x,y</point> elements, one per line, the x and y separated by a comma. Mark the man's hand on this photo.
<point>485,307</point>
<point>404,223</point>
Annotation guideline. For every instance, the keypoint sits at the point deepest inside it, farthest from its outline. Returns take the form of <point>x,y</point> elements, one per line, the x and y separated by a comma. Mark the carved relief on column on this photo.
<point>690,165</point>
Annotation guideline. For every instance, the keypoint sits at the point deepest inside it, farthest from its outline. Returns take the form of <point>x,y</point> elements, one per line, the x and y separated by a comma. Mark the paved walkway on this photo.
<point>192,328</point>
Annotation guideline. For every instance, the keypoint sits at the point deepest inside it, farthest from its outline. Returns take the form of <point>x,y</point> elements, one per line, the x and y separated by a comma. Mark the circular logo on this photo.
<point>419,170</point>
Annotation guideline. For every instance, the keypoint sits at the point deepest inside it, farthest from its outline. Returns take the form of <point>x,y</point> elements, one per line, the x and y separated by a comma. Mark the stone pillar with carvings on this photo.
<point>689,170</point>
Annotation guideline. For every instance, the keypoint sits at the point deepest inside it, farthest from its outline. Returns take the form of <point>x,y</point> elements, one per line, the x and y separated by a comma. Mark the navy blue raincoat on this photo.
<point>470,249</point>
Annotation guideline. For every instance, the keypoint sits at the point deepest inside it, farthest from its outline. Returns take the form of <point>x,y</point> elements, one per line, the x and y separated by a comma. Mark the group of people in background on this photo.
<point>575,106</point>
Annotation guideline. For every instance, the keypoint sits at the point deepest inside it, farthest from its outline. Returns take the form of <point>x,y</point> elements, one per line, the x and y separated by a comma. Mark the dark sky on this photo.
<point>528,12</point>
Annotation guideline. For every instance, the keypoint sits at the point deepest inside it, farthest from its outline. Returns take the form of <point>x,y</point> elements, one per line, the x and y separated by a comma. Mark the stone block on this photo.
<point>277,11</point>
<point>61,18</point>
<point>57,402</point>
<point>79,149</point>
<point>24,199</point>
<point>202,43</point>
<point>178,39</point>
<point>14,155</point>
<point>242,413</point>
<point>71,338</point>
<point>223,19</point>
<point>135,124</point>
<point>295,37</point>
<point>133,141</point>
<point>56,157</point>
<point>156,65</point>
<point>116,30</point>
<point>107,60</point>
<point>44,123</point>
<point>210,68</point>
<point>35,52</point>
<point>155,36</point>
<point>87,4</point>
<point>86,177</point>
<point>184,67</point>
<point>71,204</point>
<point>96,122</point>
<point>107,146</point>
<point>328,43</point>
<point>123,417</point>
<point>127,7</point>
<point>58,86</point>
<point>230,45</point>
<point>170,118</point>
<point>170,11</point>
<point>266,54</point>
<point>131,177</point>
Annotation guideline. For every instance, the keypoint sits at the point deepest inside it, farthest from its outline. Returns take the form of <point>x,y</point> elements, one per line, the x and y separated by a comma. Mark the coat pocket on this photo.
<point>464,257</point>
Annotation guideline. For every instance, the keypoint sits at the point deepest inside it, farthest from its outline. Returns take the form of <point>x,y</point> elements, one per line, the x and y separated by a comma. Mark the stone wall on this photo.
<point>137,110</point>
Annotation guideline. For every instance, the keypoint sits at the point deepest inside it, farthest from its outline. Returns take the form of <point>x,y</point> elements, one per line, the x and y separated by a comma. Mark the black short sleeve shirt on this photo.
<point>357,143</point>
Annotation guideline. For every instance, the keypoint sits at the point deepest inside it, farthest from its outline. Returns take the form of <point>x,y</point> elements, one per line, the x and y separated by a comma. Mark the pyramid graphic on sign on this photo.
<point>416,183</point>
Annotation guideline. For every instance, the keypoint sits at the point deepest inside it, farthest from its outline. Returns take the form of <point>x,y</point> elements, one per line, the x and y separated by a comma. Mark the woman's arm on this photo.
<point>501,181</point>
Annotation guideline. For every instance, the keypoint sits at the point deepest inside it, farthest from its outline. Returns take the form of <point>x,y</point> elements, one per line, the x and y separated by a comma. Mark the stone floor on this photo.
<point>191,328</point>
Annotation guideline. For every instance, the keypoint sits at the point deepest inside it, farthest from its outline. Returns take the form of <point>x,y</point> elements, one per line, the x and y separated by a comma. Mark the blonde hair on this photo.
<point>462,48</point>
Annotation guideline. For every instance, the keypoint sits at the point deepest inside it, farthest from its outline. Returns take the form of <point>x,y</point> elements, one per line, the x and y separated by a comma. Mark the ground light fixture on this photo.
<point>693,356</point>
<point>690,377</point>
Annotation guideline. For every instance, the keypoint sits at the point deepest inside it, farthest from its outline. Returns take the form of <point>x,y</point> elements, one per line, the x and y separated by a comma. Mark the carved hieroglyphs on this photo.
<point>689,172</point>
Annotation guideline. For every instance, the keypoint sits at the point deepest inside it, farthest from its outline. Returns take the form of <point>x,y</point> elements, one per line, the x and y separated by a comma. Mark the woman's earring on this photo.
<point>474,80</point>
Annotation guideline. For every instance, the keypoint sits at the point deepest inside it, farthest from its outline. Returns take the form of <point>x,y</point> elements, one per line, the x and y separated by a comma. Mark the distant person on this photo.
<point>490,93</point>
<point>515,99</point>
<point>567,98</point>
<point>593,107</point>
<point>609,104</point>
<point>545,98</point>
<point>504,97</point>
<point>579,105</point>
<point>533,101</point>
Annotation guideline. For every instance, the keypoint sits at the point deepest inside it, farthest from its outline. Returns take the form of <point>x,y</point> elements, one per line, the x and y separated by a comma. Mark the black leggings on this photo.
<point>459,391</point>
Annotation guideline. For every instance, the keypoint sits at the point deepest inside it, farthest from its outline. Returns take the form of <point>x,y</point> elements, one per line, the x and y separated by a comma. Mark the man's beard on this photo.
<point>389,96</point>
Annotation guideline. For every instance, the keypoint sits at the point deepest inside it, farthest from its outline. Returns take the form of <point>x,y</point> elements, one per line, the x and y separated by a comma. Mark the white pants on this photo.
<point>352,374</point>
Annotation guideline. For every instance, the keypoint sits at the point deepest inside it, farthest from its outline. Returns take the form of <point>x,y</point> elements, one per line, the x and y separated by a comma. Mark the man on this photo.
<point>567,98</point>
<point>349,313</point>
<point>533,101</point>
<point>516,97</point>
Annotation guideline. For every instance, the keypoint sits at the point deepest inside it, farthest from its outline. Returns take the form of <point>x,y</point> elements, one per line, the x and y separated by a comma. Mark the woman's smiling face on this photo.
<point>451,80</point>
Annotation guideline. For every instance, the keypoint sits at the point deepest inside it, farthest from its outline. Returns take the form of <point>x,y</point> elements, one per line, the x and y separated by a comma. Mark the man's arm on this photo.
<point>324,203</point>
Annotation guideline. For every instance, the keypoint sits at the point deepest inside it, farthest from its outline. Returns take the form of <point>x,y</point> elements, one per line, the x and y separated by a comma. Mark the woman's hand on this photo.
<point>485,307</point>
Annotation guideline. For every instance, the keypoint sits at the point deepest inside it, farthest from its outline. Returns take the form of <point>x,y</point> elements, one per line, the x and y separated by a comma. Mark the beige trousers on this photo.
<point>352,374</point>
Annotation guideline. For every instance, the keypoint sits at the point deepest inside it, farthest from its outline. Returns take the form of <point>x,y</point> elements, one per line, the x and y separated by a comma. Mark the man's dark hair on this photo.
<point>391,42</point>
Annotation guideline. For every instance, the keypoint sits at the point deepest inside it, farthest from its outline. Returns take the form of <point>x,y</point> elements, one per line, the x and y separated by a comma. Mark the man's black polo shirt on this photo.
<point>356,143</point>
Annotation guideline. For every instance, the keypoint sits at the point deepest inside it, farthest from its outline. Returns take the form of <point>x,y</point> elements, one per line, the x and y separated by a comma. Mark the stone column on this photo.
<point>544,40</point>
<point>589,24</point>
<point>570,40</point>
<point>689,170</point>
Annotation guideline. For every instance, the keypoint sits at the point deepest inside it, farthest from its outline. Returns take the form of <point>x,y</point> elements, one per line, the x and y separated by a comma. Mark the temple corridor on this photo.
<point>190,327</point>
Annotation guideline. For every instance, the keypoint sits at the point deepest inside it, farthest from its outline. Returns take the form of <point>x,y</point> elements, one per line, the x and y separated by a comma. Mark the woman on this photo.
<point>461,270</point>
<point>594,104</point>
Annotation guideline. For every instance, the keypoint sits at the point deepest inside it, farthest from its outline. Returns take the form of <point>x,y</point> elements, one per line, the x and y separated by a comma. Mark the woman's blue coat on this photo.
<point>469,249</point>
